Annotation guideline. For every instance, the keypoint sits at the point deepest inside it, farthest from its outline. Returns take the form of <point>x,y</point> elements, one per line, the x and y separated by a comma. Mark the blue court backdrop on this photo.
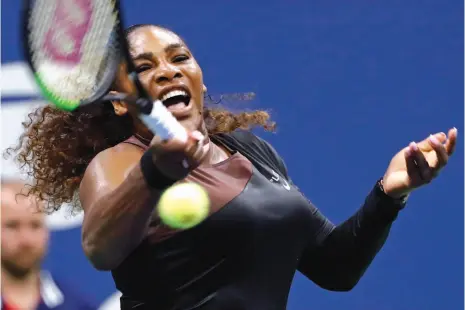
<point>349,84</point>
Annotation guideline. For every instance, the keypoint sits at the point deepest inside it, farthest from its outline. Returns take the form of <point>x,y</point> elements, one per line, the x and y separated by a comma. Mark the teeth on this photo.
<point>174,93</point>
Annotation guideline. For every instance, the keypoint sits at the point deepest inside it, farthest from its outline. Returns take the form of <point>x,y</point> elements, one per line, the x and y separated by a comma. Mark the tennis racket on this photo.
<point>74,49</point>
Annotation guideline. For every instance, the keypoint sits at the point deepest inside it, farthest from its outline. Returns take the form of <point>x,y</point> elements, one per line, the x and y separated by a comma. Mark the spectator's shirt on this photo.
<point>55,295</point>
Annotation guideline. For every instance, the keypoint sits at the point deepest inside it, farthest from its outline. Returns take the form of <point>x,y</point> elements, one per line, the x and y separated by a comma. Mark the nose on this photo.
<point>166,72</point>
<point>27,237</point>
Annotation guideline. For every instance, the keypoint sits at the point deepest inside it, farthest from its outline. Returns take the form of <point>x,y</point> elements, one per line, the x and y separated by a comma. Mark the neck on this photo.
<point>31,279</point>
<point>141,130</point>
<point>15,289</point>
<point>216,154</point>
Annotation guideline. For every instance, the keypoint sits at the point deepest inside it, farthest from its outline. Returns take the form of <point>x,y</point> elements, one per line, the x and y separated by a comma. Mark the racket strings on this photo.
<point>71,42</point>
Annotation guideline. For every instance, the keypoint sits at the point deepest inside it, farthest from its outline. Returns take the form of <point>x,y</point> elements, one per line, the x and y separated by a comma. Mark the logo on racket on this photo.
<point>72,19</point>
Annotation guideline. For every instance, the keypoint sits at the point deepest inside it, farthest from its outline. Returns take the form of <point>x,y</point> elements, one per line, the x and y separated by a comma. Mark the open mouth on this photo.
<point>176,100</point>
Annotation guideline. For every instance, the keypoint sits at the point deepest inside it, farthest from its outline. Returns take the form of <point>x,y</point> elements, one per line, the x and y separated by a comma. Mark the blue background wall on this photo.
<point>349,83</point>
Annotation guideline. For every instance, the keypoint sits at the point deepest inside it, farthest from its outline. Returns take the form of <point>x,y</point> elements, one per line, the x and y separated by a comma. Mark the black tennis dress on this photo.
<point>260,231</point>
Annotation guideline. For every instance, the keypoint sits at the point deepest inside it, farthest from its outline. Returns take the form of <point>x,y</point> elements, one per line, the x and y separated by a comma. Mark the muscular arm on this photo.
<point>117,206</point>
<point>342,253</point>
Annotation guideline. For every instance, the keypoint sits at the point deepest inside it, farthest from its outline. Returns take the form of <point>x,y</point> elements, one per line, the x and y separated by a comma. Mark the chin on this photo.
<point>21,268</point>
<point>193,122</point>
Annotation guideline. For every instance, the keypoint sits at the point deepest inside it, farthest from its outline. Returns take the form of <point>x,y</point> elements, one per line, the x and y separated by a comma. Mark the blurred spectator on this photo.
<point>24,240</point>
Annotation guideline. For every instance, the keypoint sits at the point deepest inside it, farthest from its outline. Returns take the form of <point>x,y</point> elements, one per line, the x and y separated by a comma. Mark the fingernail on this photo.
<point>434,140</point>
<point>197,135</point>
<point>413,146</point>
<point>408,152</point>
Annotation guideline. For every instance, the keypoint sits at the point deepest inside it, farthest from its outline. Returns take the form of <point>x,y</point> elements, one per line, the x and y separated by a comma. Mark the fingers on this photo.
<point>175,151</point>
<point>412,168</point>
<point>175,145</point>
<point>426,146</point>
<point>194,146</point>
<point>176,158</point>
<point>451,141</point>
<point>419,157</point>
<point>417,162</point>
<point>441,153</point>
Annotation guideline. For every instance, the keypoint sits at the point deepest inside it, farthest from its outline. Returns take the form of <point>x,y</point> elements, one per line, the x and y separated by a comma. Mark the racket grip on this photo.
<point>163,124</point>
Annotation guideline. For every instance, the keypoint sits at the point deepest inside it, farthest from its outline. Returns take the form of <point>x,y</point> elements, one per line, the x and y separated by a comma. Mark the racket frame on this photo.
<point>112,66</point>
<point>144,101</point>
<point>153,113</point>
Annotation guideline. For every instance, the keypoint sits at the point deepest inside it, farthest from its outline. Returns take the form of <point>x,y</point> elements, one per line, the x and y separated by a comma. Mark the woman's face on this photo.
<point>169,72</point>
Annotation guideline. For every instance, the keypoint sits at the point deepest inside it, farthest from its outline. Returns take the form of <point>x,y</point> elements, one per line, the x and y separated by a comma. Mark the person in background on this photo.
<point>24,237</point>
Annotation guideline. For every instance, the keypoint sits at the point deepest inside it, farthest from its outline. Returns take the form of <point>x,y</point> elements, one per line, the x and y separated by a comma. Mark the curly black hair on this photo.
<point>57,146</point>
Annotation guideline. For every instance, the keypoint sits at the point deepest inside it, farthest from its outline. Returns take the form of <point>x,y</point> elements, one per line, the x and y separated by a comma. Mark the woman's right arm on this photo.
<point>118,200</point>
<point>118,205</point>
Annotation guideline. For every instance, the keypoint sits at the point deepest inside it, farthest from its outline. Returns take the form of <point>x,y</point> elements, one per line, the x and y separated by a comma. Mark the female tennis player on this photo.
<point>261,228</point>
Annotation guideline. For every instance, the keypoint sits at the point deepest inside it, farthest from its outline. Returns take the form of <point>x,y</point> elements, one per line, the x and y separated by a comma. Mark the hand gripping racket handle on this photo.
<point>155,116</point>
<point>162,123</point>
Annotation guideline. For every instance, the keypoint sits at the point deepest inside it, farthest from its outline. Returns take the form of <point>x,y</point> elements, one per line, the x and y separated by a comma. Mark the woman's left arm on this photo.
<point>339,256</point>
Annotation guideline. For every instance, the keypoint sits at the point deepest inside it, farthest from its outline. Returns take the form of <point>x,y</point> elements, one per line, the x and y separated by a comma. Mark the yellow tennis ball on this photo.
<point>183,205</point>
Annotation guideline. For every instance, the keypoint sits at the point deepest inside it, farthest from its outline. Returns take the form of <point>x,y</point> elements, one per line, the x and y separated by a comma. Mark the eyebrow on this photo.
<point>167,49</point>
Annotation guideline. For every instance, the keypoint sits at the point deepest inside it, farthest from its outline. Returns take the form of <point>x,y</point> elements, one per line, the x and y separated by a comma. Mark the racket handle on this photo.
<point>163,124</point>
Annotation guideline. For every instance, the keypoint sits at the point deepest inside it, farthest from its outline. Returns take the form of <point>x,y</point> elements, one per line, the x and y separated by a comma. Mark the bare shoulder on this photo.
<point>115,159</point>
<point>108,169</point>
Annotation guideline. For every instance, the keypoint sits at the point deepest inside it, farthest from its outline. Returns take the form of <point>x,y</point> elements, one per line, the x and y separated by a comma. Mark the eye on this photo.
<point>142,68</point>
<point>36,225</point>
<point>13,225</point>
<point>180,58</point>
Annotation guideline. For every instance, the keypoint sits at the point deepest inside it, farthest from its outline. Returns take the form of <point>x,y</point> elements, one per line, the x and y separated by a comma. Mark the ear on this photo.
<point>120,107</point>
